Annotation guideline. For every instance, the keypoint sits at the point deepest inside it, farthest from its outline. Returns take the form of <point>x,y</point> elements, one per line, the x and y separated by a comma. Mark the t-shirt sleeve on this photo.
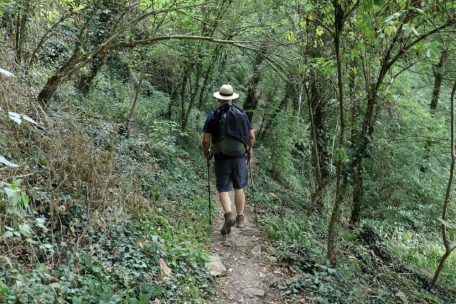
<point>206,124</point>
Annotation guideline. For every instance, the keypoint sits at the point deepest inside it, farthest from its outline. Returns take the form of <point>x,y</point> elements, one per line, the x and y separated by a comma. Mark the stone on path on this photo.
<point>256,251</point>
<point>273,259</point>
<point>165,270</point>
<point>216,267</point>
<point>237,241</point>
<point>254,292</point>
<point>401,297</point>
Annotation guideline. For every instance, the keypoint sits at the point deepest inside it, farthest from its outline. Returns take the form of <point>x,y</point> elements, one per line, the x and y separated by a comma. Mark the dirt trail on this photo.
<point>252,274</point>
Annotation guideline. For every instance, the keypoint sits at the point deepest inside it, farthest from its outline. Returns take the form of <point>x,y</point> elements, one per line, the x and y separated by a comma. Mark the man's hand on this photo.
<point>208,154</point>
<point>248,154</point>
<point>206,143</point>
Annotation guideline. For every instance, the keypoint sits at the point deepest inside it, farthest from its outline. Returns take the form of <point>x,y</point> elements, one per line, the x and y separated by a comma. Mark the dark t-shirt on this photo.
<point>220,156</point>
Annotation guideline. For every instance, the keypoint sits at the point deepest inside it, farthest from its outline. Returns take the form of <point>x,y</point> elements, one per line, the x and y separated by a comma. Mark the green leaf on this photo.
<point>144,4</point>
<point>291,37</point>
<point>25,229</point>
<point>145,298</point>
<point>40,223</point>
<point>7,162</point>
<point>389,18</point>
<point>9,192</point>
<point>16,199</point>
<point>25,200</point>
<point>7,234</point>
<point>447,224</point>
<point>30,241</point>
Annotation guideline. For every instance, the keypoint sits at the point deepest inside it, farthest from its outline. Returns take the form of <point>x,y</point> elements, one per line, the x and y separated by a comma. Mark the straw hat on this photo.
<point>226,93</point>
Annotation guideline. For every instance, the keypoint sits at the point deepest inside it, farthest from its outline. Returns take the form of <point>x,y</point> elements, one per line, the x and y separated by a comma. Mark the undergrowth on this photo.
<point>372,271</point>
<point>394,261</point>
<point>97,216</point>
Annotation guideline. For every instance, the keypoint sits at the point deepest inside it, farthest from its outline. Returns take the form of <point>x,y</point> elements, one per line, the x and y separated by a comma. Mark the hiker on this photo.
<point>229,130</point>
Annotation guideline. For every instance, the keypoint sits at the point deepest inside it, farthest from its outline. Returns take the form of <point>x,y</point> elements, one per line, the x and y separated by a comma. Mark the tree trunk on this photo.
<point>85,82</point>
<point>446,240</point>
<point>50,88</point>
<point>138,89</point>
<point>105,26</point>
<point>341,180</point>
<point>320,153</point>
<point>182,95</point>
<point>358,179</point>
<point>358,194</point>
<point>439,72</point>
<point>356,168</point>
<point>251,100</point>
<point>193,93</point>
<point>21,33</point>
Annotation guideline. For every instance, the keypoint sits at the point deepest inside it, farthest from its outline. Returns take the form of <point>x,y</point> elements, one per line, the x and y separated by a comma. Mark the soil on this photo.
<point>253,275</point>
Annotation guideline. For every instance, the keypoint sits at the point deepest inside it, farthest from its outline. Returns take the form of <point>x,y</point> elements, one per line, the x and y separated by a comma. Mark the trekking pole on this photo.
<point>209,188</point>
<point>253,193</point>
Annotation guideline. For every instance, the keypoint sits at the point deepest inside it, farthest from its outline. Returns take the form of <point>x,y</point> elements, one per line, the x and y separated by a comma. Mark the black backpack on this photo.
<point>226,144</point>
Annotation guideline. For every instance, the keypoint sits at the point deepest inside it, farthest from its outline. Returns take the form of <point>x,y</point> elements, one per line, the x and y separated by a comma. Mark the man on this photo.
<point>230,170</point>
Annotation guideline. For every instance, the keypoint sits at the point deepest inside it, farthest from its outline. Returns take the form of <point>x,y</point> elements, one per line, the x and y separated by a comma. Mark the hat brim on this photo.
<point>218,96</point>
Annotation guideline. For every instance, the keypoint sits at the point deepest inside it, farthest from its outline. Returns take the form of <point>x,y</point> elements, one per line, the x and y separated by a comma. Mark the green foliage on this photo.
<point>131,201</point>
<point>276,157</point>
<point>422,251</point>
<point>119,267</point>
<point>292,231</point>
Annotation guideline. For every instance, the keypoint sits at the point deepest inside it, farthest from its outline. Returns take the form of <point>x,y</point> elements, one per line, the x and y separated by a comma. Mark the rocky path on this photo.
<point>246,271</point>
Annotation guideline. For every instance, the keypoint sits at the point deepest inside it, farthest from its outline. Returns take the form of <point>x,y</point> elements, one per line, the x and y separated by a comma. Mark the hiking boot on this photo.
<point>240,221</point>
<point>230,220</point>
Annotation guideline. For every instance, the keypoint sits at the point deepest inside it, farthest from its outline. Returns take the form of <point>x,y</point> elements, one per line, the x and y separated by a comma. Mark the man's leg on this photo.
<point>230,217</point>
<point>225,201</point>
<point>240,180</point>
<point>239,201</point>
<point>223,181</point>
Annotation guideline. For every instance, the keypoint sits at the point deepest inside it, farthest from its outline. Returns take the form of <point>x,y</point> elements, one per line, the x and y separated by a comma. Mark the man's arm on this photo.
<point>206,144</point>
<point>250,143</point>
